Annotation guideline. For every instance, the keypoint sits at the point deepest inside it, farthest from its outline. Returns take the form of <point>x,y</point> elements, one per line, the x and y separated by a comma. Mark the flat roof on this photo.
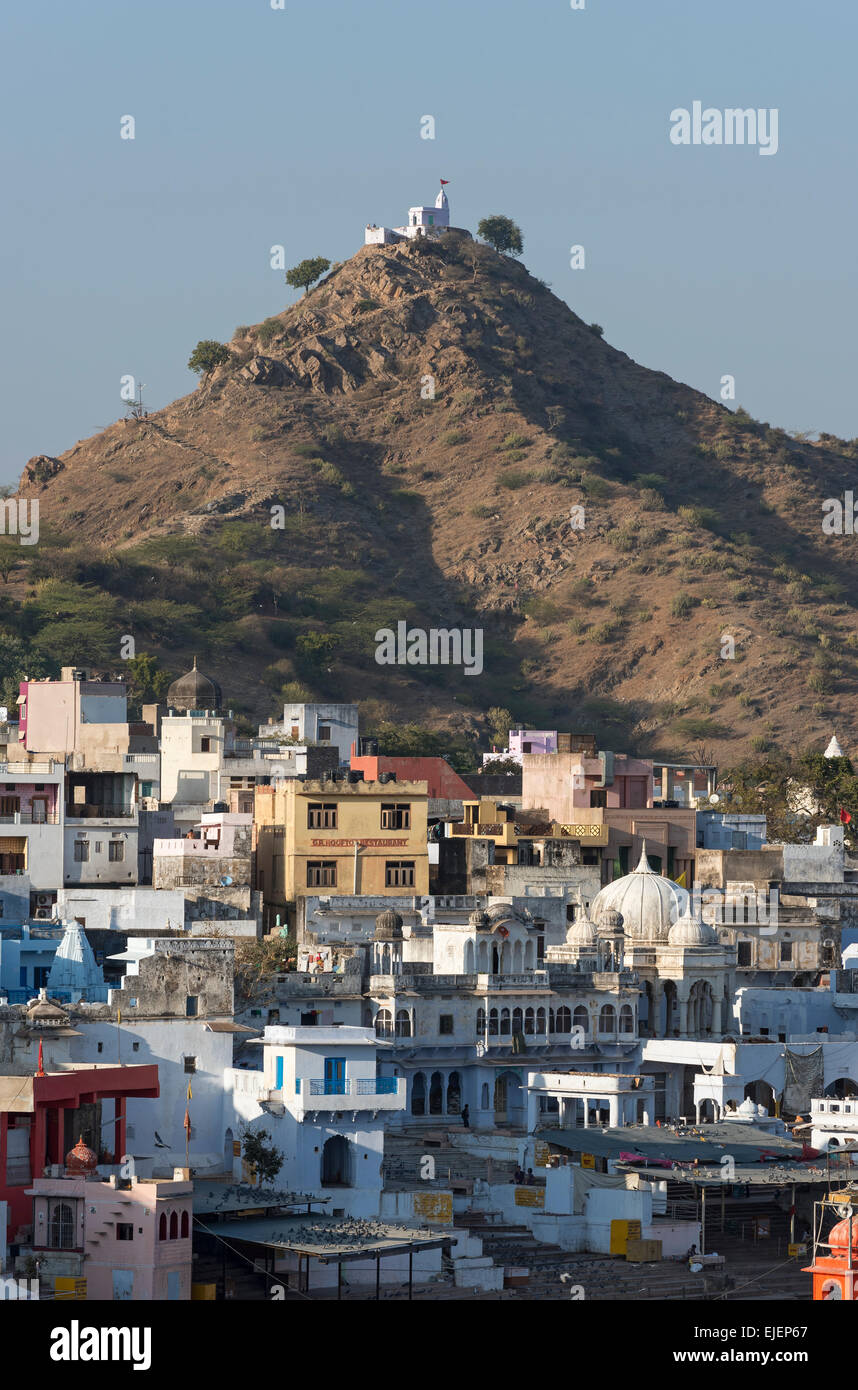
<point>329,1241</point>
<point>742,1142</point>
<point>215,1197</point>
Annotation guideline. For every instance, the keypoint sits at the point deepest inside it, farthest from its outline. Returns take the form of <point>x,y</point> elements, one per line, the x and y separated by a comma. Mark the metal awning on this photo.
<point>319,1239</point>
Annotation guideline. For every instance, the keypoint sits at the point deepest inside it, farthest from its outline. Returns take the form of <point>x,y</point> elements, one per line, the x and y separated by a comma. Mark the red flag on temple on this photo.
<point>445,180</point>
<point>845,816</point>
<point>41,1069</point>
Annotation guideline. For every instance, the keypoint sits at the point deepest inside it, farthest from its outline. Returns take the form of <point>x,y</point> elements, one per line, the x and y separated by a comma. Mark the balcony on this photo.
<point>103,811</point>
<point>347,1093</point>
<point>27,818</point>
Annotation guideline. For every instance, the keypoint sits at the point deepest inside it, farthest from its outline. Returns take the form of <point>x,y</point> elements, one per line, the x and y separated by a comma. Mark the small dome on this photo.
<point>582,933</point>
<point>480,920</point>
<point>833,750</point>
<point>81,1160</point>
<point>194,691</point>
<point>388,926</point>
<point>609,921</point>
<point>838,1238</point>
<point>692,931</point>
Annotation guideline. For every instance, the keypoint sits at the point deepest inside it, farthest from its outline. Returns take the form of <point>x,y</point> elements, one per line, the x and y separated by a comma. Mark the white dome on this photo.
<point>692,931</point>
<point>649,903</point>
<point>582,933</point>
<point>833,750</point>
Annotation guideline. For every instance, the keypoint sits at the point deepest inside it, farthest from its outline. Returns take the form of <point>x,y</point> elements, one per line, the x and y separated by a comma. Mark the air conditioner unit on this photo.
<point>43,899</point>
<point>43,914</point>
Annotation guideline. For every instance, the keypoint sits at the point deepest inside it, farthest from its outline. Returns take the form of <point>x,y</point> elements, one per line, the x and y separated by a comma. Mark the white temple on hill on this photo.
<point>422,221</point>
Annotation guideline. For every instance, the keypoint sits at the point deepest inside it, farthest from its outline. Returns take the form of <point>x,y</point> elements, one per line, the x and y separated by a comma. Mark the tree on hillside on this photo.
<point>207,355</point>
<point>146,682</point>
<point>306,273</point>
<point>795,793</point>
<point>502,234</point>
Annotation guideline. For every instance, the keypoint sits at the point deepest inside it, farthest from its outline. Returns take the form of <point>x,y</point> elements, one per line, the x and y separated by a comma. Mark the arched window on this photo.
<point>174,1225</point>
<point>383,1024</point>
<point>529,1020</point>
<point>162,1226</point>
<point>185,1226</point>
<point>505,1022</point>
<point>516,958</point>
<point>564,1020</point>
<point>481,1022</point>
<point>469,957</point>
<point>454,1094</point>
<point>484,1096</point>
<point>61,1234</point>
<point>517,1021</point>
<point>403,1024</point>
<point>551,1025</point>
<point>493,1023</point>
<point>528,956</point>
<point>607,1019</point>
<point>418,1094</point>
<point>627,1019</point>
<point>483,959</point>
<point>540,1020</point>
<point>581,1018</point>
<point>436,1094</point>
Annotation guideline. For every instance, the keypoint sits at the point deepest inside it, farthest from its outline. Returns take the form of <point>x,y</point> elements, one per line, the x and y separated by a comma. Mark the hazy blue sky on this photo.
<point>257,126</point>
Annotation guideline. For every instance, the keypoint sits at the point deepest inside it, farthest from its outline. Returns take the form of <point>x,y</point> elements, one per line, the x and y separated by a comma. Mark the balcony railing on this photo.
<point>347,1086</point>
<point>89,811</point>
<point>27,818</point>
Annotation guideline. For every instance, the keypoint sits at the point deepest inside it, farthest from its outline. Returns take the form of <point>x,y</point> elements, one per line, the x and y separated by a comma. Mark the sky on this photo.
<point>257,126</point>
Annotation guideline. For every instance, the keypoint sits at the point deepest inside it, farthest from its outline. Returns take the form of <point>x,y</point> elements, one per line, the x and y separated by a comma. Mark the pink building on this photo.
<point>130,1239</point>
<point>525,741</point>
<point>563,783</point>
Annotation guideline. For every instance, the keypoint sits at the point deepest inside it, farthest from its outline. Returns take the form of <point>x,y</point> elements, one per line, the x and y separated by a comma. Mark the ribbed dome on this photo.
<point>648,903</point>
<point>692,931</point>
<point>480,920</point>
<point>582,933</point>
<point>388,926</point>
<point>609,922</point>
<point>194,691</point>
<point>838,1238</point>
<point>81,1160</point>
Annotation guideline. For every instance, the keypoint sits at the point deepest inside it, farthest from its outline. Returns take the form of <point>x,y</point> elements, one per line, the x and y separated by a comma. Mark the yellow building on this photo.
<point>341,837</point>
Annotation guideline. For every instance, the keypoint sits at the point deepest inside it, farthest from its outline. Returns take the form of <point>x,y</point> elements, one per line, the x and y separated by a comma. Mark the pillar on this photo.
<point>683,1017</point>
<point>37,1141</point>
<point>614,1112</point>
<point>119,1128</point>
<point>59,1145</point>
<point>655,1021</point>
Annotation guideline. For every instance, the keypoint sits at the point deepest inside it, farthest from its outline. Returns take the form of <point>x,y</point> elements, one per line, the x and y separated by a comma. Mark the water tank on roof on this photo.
<point>220,806</point>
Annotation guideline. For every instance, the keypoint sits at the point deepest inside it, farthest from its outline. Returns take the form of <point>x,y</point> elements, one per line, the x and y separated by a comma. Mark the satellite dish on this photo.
<point>714,799</point>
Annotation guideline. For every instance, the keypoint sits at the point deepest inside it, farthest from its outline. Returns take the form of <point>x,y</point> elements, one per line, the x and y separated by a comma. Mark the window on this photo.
<point>493,1023</point>
<point>322,873</point>
<point>101,1047</point>
<point>399,873</point>
<point>135,1047</point>
<point>563,1021</point>
<point>322,815</point>
<point>607,1019</point>
<point>145,788</point>
<point>10,805</point>
<point>116,851</point>
<point>162,1226</point>
<point>324,733</point>
<point>599,798</point>
<point>124,1230</point>
<point>627,1019</point>
<point>383,1024</point>
<point>786,950</point>
<point>445,1023</point>
<point>174,1226</point>
<point>403,1024</point>
<point>396,815</point>
<point>81,851</point>
<point>744,953</point>
<point>39,810</point>
<point>61,1227</point>
<point>186,1225</point>
<point>205,745</point>
<point>190,1064</point>
<point>481,1022</point>
<point>191,1005</point>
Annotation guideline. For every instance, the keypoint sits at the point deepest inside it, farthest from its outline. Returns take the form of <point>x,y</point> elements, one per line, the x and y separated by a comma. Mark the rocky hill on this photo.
<point>456,509</point>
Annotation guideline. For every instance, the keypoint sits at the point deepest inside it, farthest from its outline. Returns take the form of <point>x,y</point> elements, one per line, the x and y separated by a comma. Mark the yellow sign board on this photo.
<point>530,1196</point>
<point>66,1287</point>
<point>541,1154</point>
<point>621,1233</point>
<point>434,1206</point>
<point>588,1161</point>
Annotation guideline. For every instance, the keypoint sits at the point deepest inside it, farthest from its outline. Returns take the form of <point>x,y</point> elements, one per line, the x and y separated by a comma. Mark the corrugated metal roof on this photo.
<point>742,1142</point>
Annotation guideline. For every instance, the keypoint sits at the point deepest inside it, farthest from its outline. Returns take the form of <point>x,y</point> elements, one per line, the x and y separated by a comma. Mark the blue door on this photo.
<point>335,1076</point>
<point>278,1074</point>
<point>123,1284</point>
<point>173,1285</point>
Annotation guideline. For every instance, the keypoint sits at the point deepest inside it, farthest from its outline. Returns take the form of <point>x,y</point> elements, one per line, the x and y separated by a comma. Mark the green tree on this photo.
<point>207,355</point>
<point>306,273</point>
<point>146,682</point>
<point>795,793</point>
<point>500,723</point>
<point>257,1150</point>
<point>501,233</point>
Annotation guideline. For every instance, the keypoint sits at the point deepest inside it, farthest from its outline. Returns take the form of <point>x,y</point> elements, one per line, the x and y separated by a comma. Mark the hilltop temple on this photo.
<point>422,221</point>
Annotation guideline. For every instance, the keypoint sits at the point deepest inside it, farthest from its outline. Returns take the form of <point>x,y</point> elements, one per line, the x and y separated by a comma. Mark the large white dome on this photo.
<point>649,903</point>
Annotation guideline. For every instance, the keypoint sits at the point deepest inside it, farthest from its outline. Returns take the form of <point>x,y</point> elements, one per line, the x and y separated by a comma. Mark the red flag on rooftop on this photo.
<point>40,1071</point>
<point>445,180</point>
<point>845,816</point>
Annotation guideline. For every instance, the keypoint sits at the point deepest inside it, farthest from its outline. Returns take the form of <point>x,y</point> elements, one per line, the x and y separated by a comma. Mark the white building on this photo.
<point>320,1098</point>
<point>424,220</point>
